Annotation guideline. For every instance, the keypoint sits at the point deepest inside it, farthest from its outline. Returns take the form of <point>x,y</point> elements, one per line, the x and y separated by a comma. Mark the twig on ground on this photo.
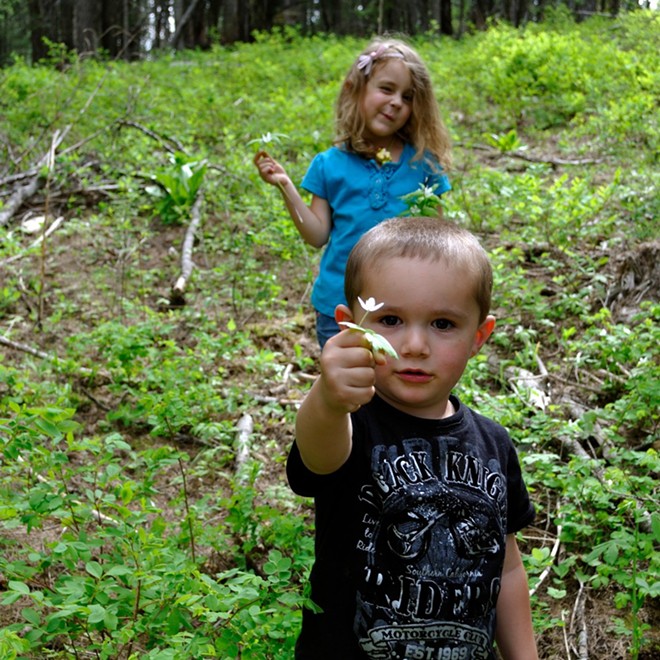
<point>287,373</point>
<point>52,228</point>
<point>101,517</point>
<point>577,618</point>
<point>549,160</point>
<point>172,145</point>
<point>176,297</point>
<point>260,398</point>
<point>244,430</point>
<point>18,346</point>
<point>525,384</point>
<point>548,568</point>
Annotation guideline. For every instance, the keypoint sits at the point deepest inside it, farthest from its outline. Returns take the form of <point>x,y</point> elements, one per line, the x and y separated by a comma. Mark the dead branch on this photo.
<point>19,176</point>
<point>555,162</point>
<point>261,398</point>
<point>165,140</point>
<point>552,161</point>
<point>525,384</point>
<point>101,517</point>
<point>18,346</point>
<point>577,618</point>
<point>51,229</point>
<point>176,298</point>
<point>576,383</point>
<point>18,197</point>
<point>548,568</point>
<point>26,191</point>
<point>26,349</point>
<point>244,430</point>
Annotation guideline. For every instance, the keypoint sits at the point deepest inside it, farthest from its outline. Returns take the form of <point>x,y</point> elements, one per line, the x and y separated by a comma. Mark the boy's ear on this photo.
<point>484,331</point>
<point>343,313</point>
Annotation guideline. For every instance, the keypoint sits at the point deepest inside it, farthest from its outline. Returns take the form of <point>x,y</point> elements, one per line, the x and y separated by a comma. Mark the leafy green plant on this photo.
<point>177,187</point>
<point>114,576</point>
<point>422,202</point>
<point>505,143</point>
<point>125,529</point>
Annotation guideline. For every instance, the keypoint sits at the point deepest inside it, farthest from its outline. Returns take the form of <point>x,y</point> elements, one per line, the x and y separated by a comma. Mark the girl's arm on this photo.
<point>313,222</point>
<point>514,633</point>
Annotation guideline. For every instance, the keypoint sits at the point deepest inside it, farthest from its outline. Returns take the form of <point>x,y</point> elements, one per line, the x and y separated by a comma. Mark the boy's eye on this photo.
<point>389,320</point>
<point>442,324</point>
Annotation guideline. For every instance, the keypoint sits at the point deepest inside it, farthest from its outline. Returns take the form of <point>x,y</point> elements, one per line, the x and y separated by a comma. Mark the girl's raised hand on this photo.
<point>269,169</point>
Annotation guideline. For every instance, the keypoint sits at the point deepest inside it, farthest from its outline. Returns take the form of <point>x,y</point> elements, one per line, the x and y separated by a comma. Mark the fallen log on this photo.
<point>177,298</point>
<point>18,197</point>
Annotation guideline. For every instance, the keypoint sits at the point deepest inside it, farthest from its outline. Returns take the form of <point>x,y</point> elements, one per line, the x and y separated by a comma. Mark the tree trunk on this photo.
<point>65,21</point>
<point>331,16</point>
<point>446,26</point>
<point>230,21</point>
<point>38,22</point>
<point>86,25</point>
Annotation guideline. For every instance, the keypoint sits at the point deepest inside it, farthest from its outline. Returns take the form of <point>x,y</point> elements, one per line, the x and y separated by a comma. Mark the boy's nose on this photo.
<point>415,342</point>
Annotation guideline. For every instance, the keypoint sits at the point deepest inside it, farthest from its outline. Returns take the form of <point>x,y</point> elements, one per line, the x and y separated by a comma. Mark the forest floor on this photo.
<point>84,275</point>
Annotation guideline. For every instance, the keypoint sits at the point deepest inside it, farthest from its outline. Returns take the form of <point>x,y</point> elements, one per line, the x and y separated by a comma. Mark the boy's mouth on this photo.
<point>414,375</point>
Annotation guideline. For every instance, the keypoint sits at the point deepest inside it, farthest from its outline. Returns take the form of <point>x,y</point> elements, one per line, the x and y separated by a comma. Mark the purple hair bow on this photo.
<point>365,62</point>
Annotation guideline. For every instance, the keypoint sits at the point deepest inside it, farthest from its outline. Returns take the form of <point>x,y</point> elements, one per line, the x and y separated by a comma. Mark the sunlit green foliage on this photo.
<point>124,443</point>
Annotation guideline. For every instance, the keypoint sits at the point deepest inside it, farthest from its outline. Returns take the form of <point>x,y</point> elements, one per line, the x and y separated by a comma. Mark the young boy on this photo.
<point>417,496</point>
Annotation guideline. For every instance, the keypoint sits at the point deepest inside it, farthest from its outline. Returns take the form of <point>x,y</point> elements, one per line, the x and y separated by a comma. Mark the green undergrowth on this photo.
<point>130,525</point>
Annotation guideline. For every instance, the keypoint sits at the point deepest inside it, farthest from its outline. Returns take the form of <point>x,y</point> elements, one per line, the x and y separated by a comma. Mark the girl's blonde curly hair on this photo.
<point>424,129</point>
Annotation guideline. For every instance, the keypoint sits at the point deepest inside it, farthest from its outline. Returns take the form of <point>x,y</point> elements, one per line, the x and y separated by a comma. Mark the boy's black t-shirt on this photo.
<point>410,537</point>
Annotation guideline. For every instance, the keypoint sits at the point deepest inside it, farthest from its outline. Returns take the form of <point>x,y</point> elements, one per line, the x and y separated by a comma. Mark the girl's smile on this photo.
<point>387,102</point>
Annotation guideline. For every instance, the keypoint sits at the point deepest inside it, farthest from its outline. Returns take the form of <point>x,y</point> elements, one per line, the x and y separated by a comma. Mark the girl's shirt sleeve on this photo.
<point>315,180</point>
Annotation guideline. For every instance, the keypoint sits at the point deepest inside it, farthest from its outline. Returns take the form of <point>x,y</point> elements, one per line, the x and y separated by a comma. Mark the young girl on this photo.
<point>389,140</point>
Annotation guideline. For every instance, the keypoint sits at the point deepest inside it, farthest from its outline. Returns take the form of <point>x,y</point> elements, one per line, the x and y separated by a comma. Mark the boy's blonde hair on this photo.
<point>423,238</point>
<point>425,129</point>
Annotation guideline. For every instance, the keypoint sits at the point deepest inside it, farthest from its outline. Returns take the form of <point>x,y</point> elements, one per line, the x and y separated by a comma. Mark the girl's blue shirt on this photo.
<point>361,194</point>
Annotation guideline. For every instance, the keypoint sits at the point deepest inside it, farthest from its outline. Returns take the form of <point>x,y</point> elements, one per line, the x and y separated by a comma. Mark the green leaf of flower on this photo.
<point>378,343</point>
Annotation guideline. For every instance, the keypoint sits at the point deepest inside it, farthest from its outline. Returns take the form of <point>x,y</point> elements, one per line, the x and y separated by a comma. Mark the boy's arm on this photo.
<point>312,222</point>
<point>323,422</point>
<point>514,633</point>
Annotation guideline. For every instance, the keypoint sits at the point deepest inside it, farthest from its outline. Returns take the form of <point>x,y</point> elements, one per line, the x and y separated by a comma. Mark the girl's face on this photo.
<point>431,318</point>
<point>387,101</point>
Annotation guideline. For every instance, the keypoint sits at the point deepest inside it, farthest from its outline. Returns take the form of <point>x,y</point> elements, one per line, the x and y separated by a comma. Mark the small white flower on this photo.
<point>370,305</point>
<point>378,343</point>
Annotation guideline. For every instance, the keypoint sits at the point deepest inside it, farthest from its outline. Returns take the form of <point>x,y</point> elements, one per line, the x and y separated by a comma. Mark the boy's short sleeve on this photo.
<point>520,508</point>
<point>306,483</point>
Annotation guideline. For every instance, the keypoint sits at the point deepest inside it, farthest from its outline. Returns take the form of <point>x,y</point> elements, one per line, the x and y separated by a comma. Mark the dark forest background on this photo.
<point>130,29</point>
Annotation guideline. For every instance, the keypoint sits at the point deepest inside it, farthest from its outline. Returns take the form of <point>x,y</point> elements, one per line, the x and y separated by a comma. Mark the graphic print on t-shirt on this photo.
<point>432,545</point>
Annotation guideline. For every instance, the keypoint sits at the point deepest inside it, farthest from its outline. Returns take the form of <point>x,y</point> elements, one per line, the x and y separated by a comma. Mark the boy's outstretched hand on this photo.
<point>323,423</point>
<point>347,372</point>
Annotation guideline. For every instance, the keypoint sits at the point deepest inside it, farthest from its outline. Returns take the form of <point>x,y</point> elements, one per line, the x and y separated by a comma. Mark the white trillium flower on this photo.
<point>377,342</point>
<point>370,305</point>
